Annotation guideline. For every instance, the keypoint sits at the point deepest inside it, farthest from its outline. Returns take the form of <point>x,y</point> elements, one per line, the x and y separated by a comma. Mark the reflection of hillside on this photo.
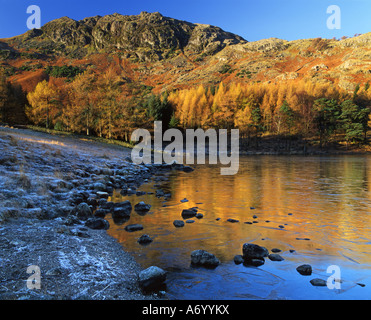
<point>328,200</point>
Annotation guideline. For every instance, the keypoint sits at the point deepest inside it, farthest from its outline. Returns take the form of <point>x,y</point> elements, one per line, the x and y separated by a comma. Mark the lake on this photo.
<point>316,209</point>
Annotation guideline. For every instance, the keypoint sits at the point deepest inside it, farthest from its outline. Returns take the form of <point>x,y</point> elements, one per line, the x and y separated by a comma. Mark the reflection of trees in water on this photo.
<point>327,196</point>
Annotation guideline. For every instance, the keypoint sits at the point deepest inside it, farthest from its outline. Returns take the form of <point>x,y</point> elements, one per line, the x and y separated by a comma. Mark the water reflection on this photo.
<point>283,199</point>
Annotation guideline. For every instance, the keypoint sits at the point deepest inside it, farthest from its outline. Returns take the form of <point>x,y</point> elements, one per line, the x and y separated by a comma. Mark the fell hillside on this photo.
<point>164,53</point>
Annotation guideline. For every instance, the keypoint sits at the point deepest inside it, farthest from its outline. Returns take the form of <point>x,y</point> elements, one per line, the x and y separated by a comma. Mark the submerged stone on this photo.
<point>133,227</point>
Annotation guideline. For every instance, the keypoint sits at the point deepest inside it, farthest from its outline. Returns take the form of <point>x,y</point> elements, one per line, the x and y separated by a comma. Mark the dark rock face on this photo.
<point>147,35</point>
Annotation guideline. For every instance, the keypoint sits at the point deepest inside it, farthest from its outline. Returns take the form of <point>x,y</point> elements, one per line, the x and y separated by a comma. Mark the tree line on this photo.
<point>12,102</point>
<point>300,108</point>
<point>110,106</point>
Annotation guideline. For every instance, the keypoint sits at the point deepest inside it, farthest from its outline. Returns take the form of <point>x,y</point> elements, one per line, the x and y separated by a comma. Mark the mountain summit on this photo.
<point>147,35</point>
<point>166,53</point>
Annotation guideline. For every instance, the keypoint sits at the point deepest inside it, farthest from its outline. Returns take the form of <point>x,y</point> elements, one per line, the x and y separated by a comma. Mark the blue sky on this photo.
<point>253,20</point>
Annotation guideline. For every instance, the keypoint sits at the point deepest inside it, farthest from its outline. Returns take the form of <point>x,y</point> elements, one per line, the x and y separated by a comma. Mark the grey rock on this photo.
<point>133,227</point>
<point>152,278</point>
<point>142,207</point>
<point>252,251</point>
<point>122,209</point>
<point>318,282</point>
<point>178,223</point>
<point>83,211</point>
<point>145,239</point>
<point>275,257</point>
<point>97,224</point>
<point>204,258</point>
<point>102,194</point>
<point>98,186</point>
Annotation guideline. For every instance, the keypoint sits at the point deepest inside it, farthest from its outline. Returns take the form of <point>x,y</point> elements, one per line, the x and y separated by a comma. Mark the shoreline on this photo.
<point>267,145</point>
<point>44,179</point>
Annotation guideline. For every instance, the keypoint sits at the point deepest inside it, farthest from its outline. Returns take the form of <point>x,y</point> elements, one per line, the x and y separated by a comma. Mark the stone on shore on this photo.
<point>83,211</point>
<point>97,224</point>
<point>122,209</point>
<point>152,279</point>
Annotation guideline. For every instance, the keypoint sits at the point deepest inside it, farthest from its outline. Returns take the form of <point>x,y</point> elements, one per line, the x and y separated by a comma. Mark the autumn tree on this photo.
<point>82,102</point>
<point>43,101</point>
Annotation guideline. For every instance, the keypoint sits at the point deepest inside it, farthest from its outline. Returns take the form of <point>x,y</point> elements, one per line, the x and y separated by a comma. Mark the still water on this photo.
<point>325,200</point>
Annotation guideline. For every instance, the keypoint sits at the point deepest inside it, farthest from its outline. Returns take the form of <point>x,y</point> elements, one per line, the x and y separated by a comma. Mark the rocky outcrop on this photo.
<point>146,36</point>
